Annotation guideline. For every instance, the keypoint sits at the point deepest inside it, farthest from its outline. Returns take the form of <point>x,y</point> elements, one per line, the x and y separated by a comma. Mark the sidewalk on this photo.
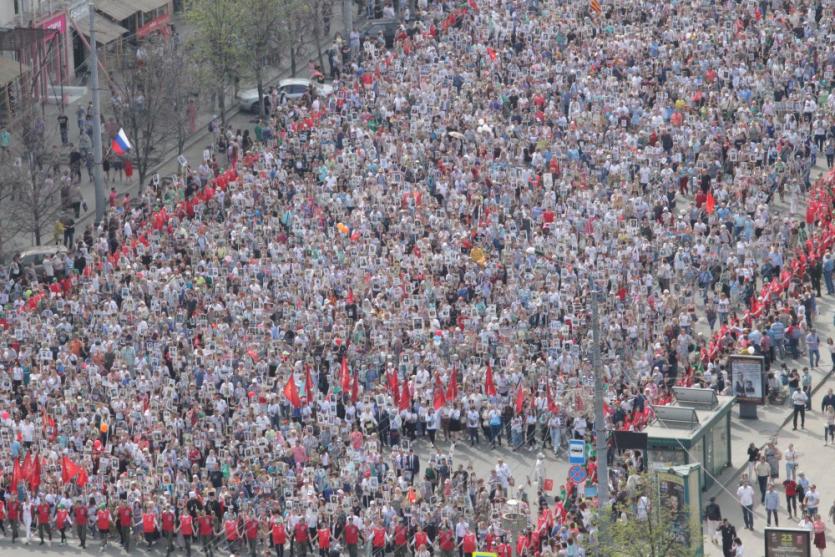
<point>168,165</point>
<point>774,423</point>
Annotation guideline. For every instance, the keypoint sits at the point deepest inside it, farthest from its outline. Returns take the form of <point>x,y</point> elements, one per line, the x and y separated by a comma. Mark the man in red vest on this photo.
<point>352,537</point>
<point>124,516</point>
<point>421,539</point>
<point>186,530</point>
<point>401,539</point>
<point>44,513</point>
<point>231,531</point>
<point>323,540</point>
<point>149,527</point>
<point>446,541</point>
<point>468,544</point>
<point>2,516</point>
<point>301,537</point>
<point>62,516</point>
<point>80,514</point>
<point>278,533</point>
<point>378,539</point>
<point>103,520</point>
<point>14,517</point>
<point>205,530</point>
<point>251,532</point>
<point>168,528</point>
<point>504,549</point>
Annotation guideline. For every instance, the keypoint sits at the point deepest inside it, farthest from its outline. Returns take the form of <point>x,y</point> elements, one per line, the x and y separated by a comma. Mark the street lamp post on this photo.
<point>600,435</point>
<point>97,149</point>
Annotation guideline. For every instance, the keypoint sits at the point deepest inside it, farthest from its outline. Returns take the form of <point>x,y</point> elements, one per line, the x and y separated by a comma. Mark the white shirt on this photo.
<point>745,494</point>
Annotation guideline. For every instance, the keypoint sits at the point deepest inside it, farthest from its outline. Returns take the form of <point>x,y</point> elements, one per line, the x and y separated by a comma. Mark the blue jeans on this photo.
<point>748,516</point>
<point>830,285</point>
<point>814,357</point>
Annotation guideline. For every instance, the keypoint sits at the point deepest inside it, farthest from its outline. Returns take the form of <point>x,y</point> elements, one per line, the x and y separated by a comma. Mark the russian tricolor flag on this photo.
<point>120,143</point>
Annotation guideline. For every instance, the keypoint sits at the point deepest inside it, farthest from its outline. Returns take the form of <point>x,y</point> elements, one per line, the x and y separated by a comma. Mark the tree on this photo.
<point>30,185</point>
<point>262,36</point>
<point>216,45</point>
<point>184,90</point>
<point>144,101</point>
<point>652,522</point>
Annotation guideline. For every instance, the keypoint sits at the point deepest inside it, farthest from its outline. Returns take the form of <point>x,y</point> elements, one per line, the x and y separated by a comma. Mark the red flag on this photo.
<point>68,469</point>
<point>49,423</point>
<point>81,479</point>
<point>346,376</point>
<point>355,388</point>
<point>472,4</point>
<point>452,386</point>
<point>35,480</point>
<point>350,297</point>
<point>710,203</point>
<point>308,384</point>
<point>489,385</point>
<point>26,467</point>
<point>292,392</point>
<point>491,53</point>
<point>520,398</point>
<point>552,407</point>
<point>405,397</point>
<point>395,390</point>
<point>252,354</point>
<point>17,475</point>
<point>438,399</point>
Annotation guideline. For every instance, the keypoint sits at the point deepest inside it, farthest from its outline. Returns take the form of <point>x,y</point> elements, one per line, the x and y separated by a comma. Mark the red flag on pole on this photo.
<point>552,407</point>
<point>346,376</point>
<point>438,400</point>
<point>393,387</point>
<point>26,468</point>
<point>17,475</point>
<point>355,388</point>
<point>405,397</point>
<point>452,386</point>
<point>489,385</point>
<point>710,203</point>
<point>308,384</point>
<point>292,392</point>
<point>81,479</point>
<point>520,398</point>
<point>48,423</point>
<point>35,480</point>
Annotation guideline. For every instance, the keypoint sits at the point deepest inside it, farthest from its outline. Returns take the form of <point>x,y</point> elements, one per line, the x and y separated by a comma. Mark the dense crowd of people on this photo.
<point>258,356</point>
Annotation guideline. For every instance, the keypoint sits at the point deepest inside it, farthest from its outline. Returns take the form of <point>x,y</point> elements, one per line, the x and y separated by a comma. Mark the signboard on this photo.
<point>483,554</point>
<point>577,474</point>
<point>748,378</point>
<point>788,542</point>
<point>576,451</point>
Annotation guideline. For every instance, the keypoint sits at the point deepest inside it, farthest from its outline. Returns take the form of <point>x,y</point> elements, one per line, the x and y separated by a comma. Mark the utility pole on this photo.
<point>94,83</point>
<point>600,433</point>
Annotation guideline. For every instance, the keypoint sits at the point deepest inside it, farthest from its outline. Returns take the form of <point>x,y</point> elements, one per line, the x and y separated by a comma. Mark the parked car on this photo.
<point>290,89</point>
<point>35,256</point>
<point>376,27</point>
